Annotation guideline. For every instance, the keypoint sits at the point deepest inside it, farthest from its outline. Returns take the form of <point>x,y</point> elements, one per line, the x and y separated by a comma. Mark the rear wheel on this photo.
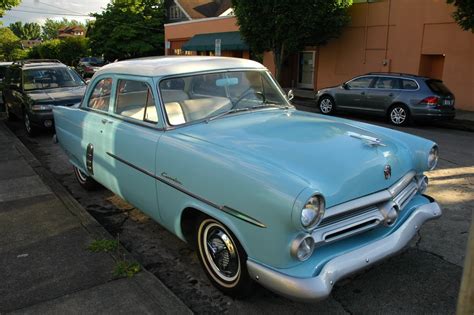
<point>10,116</point>
<point>223,258</point>
<point>87,182</point>
<point>30,129</point>
<point>399,115</point>
<point>327,105</point>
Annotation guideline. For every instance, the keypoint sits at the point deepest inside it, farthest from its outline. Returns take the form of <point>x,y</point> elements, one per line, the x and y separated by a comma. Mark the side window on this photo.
<point>387,83</point>
<point>360,83</point>
<point>135,100</point>
<point>409,84</point>
<point>100,97</point>
<point>14,77</point>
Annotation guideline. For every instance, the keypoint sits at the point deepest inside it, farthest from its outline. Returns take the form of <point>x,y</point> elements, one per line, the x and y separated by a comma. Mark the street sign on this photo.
<point>217,50</point>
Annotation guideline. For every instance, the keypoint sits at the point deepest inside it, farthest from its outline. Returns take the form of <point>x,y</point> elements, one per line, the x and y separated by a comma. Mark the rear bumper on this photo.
<point>320,286</point>
<point>434,113</point>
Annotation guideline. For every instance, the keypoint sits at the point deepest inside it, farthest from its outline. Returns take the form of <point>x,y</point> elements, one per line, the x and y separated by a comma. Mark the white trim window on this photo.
<point>175,13</point>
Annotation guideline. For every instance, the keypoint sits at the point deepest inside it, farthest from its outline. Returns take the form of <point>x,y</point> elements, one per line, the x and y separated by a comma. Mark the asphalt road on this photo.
<point>425,278</point>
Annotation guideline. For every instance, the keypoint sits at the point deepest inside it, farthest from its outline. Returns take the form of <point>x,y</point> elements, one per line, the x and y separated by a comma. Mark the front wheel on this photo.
<point>326,105</point>
<point>87,182</point>
<point>223,258</point>
<point>399,115</point>
<point>30,129</point>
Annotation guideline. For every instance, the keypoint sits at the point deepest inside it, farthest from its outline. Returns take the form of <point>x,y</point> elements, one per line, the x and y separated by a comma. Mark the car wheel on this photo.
<point>9,115</point>
<point>30,129</point>
<point>327,105</point>
<point>87,182</point>
<point>399,115</point>
<point>223,258</point>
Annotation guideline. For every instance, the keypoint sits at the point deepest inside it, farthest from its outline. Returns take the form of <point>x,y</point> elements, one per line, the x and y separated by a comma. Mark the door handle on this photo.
<point>390,94</point>
<point>362,93</point>
<point>105,121</point>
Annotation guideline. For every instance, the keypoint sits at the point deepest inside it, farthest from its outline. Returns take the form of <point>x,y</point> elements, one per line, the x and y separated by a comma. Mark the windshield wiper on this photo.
<point>230,111</point>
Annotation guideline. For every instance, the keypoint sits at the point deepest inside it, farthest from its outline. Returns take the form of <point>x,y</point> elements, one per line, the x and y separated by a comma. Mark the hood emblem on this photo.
<point>387,171</point>
<point>372,141</point>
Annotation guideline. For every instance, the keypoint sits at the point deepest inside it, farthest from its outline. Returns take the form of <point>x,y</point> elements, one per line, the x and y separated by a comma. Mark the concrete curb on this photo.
<point>151,285</point>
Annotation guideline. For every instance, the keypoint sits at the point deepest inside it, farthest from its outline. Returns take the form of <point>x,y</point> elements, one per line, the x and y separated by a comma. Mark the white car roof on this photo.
<point>175,65</point>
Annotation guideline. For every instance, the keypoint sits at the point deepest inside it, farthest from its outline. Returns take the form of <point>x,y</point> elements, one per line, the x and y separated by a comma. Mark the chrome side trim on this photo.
<point>171,182</point>
<point>319,287</point>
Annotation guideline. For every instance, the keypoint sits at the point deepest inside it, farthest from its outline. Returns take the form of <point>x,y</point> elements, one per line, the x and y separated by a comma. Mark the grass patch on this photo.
<point>126,269</point>
<point>103,245</point>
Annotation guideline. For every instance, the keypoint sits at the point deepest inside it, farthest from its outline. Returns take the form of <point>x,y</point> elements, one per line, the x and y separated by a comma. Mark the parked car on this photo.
<point>3,69</point>
<point>398,96</point>
<point>87,66</point>
<point>211,149</point>
<point>33,87</point>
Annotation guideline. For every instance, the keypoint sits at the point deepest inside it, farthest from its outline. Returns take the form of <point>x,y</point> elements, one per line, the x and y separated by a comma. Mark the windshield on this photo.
<point>50,78</point>
<point>203,96</point>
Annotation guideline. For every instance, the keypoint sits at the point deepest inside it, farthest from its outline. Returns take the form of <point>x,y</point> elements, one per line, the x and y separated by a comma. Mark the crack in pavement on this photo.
<point>417,247</point>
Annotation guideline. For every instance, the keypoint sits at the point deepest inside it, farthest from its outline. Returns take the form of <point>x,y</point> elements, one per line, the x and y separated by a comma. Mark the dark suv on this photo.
<point>398,96</point>
<point>32,87</point>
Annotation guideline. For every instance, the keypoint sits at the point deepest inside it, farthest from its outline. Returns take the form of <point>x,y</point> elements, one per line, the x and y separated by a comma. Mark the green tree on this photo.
<point>7,5</point>
<point>128,29</point>
<point>286,26</point>
<point>26,31</point>
<point>10,44</point>
<point>51,27</point>
<point>67,50</point>
<point>464,14</point>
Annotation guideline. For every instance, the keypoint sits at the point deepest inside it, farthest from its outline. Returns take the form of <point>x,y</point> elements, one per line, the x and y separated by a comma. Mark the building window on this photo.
<point>175,13</point>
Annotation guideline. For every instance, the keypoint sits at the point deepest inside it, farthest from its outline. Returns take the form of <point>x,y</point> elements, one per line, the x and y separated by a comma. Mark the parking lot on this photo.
<point>425,278</point>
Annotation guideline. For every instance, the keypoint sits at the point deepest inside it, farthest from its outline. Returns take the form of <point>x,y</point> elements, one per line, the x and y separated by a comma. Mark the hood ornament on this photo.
<point>387,171</point>
<point>372,141</point>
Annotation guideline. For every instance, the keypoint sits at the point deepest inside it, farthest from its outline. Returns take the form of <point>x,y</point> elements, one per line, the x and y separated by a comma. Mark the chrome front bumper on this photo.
<point>319,287</point>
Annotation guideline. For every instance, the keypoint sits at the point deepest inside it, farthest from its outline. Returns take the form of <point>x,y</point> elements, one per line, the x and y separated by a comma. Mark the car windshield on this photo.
<point>50,78</point>
<point>212,95</point>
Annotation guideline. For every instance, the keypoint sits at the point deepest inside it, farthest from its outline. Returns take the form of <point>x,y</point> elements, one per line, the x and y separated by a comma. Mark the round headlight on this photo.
<point>312,212</point>
<point>302,247</point>
<point>433,158</point>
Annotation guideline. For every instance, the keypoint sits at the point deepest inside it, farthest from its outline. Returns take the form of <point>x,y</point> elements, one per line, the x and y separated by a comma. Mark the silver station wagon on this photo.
<point>211,149</point>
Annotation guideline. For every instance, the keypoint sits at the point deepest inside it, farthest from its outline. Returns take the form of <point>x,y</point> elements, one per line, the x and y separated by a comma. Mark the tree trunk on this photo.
<point>278,57</point>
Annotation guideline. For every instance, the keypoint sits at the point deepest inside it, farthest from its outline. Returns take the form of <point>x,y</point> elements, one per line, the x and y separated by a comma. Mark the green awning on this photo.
<point>206,42</point>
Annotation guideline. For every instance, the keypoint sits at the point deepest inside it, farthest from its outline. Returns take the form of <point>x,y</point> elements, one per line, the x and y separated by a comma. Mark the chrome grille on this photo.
<point>365,213</point>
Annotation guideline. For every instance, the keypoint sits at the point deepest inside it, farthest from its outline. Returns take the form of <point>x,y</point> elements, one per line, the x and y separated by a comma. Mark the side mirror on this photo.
<point>290,95</point>
<point>87,81</point>
<point>345,86</point>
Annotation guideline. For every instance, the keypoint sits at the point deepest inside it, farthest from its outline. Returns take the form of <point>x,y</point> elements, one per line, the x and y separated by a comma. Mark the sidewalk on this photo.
<point>464,119</point>
<point>45,266</point>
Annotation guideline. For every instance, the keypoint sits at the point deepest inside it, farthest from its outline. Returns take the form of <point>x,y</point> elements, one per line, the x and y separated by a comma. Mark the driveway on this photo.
<point>425,278</point>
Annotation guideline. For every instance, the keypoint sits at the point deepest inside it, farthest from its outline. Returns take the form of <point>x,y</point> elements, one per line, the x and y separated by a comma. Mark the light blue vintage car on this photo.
<point>211,149</point>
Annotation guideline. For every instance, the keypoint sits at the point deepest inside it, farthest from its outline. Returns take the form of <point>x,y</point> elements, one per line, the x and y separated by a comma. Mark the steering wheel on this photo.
<point>247,92</point>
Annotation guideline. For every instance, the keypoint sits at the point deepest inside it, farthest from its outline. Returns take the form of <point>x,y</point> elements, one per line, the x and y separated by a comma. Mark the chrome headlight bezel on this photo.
<point>433,157</point>
<point>312,212</point>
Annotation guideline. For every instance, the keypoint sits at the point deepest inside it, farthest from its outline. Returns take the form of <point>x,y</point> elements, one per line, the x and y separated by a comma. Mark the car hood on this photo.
<point>59,96</point>
<point>318,149</point>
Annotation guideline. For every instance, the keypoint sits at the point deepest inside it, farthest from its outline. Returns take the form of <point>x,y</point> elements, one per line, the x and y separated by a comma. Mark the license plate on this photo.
<point>448,102</point>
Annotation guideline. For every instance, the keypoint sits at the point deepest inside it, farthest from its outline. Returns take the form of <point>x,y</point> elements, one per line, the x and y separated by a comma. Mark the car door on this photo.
<point>13,92</point>
<point>381,96</point>
<point>97,104</point>
<point>352,94</point>
<point>131,135</point>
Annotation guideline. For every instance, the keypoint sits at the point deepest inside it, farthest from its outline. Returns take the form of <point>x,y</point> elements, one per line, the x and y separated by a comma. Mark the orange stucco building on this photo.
<point>411,36</point>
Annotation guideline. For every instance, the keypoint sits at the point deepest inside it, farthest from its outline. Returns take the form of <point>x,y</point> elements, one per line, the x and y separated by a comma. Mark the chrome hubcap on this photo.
<point>326,106</point>
<point>82,177</point>
<point>221,253</point>
<point>27,123</point>
<point>398,115</point>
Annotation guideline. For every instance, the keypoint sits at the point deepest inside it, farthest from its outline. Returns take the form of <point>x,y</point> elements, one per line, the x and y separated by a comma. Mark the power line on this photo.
<point>56,7</point>
<point>49,13</point>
